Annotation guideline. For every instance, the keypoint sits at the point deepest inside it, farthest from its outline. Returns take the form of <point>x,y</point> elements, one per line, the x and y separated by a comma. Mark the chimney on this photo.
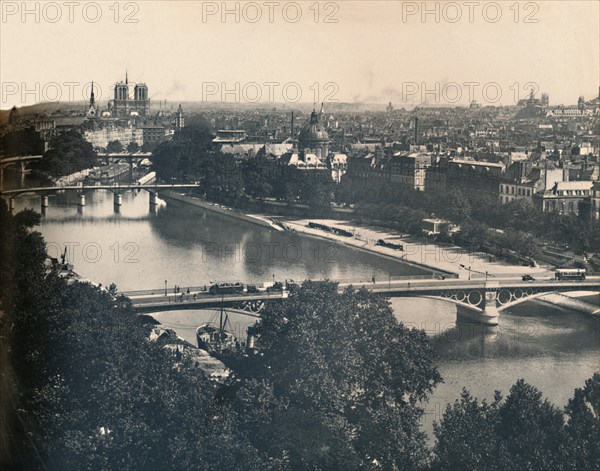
<point>292,131</point>
<point>416,130</point>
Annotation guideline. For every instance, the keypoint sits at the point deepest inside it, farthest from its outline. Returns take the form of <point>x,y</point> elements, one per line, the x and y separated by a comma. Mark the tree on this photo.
<point>114,147</point>
<point>68,153</point>
<point>466,437</point>
<point>336,382</point>
<point>531,430</point>
<point>583,427</point>
<point>187,153</point>
<point>458,206</point>
<point>523,432</point>
<point>316,189</point>
<point>256,173</point>
<point>133,147</point>
<point>22,142</point>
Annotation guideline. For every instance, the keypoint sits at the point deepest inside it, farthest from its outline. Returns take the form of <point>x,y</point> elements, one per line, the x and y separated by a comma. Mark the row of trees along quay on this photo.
<point>517,226</point>
<point>335,383</point>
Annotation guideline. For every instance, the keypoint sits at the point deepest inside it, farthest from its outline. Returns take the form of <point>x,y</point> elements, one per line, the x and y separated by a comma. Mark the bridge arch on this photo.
<point>485,304</point>
<point>531,294</point>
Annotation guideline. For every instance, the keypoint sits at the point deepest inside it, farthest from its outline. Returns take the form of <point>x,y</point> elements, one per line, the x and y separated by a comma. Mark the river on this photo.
<point>554,349</point>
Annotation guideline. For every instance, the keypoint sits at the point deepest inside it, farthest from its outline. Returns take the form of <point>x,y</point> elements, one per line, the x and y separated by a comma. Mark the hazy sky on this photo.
<point>375,52</point>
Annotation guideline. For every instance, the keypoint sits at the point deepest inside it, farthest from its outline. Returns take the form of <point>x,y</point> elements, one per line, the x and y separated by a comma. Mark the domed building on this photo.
<point>313,138</point>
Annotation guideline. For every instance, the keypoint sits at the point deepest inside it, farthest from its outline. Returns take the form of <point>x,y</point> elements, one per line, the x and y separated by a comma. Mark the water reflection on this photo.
<point>189,246</point>
<point>552,348</point>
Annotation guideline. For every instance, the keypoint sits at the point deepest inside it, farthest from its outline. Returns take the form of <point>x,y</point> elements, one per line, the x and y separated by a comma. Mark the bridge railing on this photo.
<point>199,289</point>
<point>391,279</point>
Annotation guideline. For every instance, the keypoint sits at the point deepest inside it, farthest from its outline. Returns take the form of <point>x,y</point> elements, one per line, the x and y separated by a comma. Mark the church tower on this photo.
<point>92,110</point>
<point>179,118</point>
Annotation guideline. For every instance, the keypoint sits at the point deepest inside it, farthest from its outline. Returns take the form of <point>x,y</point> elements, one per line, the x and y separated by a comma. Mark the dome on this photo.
<point>313,131</point>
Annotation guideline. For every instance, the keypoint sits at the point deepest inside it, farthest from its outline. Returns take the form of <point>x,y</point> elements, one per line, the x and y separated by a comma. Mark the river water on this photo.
<point>554,349</point>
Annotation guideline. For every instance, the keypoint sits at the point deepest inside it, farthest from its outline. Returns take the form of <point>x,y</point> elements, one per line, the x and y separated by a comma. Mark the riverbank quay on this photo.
<point>440,258</point>
<point>256,219</point>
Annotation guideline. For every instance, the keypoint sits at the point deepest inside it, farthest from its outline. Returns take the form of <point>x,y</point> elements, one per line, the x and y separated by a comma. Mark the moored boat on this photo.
<point>216,338</point>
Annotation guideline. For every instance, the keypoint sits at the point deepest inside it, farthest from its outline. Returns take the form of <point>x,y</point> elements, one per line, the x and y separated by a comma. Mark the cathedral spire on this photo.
<point>92,100</point>
<point>126,78</point>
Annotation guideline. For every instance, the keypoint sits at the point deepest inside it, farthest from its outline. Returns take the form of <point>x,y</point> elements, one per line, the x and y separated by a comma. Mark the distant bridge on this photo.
<point>125,155</point>
<point>19,158</point>
<point>117,189</point>
<point>21,161</point>
<point>481,301</point>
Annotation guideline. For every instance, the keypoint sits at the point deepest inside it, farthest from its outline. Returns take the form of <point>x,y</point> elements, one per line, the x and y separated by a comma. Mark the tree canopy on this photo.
<point>114,147</point>
<point>521,432</point>
<point>337,382</point>
<point>68,153</point>
<point>22,142</point>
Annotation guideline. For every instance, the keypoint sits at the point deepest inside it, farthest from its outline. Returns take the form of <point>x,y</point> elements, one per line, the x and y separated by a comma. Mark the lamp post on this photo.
<point>165,287</point>
<point>469,273</point>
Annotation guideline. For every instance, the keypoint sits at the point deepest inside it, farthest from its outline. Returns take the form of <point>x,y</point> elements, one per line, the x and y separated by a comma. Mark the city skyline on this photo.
<point>203,56</point>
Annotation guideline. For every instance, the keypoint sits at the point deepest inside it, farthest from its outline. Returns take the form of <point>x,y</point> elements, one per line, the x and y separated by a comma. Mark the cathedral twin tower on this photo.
<point>123,105</point>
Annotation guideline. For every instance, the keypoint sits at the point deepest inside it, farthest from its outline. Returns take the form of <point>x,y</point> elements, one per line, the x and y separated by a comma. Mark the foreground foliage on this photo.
<point>87,388</point>
<point>336,383</point>
<point>523,432</point>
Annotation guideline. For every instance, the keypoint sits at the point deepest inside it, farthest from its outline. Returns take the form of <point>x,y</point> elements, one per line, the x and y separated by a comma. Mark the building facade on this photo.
<point>99,138</point>
<point>520,182</point>
<point>123,105</point>
<point>564,197</point>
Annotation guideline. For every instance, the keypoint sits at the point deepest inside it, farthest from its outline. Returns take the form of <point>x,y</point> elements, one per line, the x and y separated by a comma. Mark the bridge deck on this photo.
<point>160,302</point>
<point>115,187</point>
<point>19,158</point>
<point>149,300</point>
